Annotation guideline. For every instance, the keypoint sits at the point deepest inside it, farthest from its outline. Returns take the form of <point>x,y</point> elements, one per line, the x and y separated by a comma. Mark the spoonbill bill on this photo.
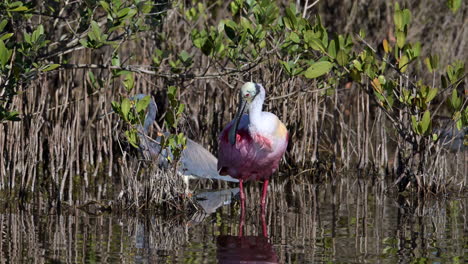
<point>251,145</point>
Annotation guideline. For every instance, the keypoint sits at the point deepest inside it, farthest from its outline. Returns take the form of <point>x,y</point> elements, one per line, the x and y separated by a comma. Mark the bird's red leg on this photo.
<point>241,187</point>
<point>264,226</point>
<point>264,195</point>
<point>242,221</point>
<point>242,216</point>
<point>242,195</point>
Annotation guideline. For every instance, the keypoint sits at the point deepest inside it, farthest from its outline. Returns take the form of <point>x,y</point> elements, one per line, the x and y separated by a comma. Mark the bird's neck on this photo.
<point>255,110</point>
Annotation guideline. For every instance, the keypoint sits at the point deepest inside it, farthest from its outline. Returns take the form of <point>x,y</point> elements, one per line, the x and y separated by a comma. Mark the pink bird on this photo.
<point>251,146</point>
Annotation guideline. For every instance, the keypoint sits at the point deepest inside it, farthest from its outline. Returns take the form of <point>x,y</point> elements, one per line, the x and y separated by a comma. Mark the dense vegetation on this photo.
<point>378,87</point>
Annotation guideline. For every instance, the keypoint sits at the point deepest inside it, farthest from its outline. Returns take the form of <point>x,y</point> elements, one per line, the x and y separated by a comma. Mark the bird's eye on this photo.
<point>247,95</point>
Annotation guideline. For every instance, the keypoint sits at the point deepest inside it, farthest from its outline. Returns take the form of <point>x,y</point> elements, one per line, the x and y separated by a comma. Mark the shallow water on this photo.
<point>351,222</point>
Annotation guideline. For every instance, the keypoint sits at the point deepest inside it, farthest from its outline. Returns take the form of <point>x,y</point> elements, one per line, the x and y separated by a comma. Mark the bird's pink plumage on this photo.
<point>253,157</point>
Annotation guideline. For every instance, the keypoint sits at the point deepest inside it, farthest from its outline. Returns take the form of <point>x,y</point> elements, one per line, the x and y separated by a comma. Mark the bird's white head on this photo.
<point>250,90</point>
<point>251,94</point>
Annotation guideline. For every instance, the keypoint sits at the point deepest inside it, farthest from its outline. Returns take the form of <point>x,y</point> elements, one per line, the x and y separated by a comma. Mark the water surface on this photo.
<point>348,222</point>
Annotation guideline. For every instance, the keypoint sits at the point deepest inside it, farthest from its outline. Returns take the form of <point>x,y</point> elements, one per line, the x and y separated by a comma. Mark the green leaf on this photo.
<point>432,62</point>
<point>115,61</point>
<point>95,32</point>
<point>171,91</point>
<point>184,56</point>
<point>181,108</point>
<point>246,25</point>
<point>318,69</point>
<point>125,108</point>
<point>401,38</point>
<point>85,43</point>
<point>234,7</point>
<point>170,119</point>
<point>454,5</point>
<point>403,63</point>
<point>406,17</point>
<point>129,82</point>
<point>5,54</point>
<point>92,78</point>
<point>358,65</point>
<point>342,58</point>
<point>19,9</point>
<point>459,122</point>
<point>13,116</point>
<point>230,29</point>
<point>431,95</point>
<point>123,12</point>
<point>332,49</point>
<point>51,67</point>
<point>455,101</point>
<point>291,17</point>
<point>142,104</point>
<point>116,107</point>
<point>3,24</point>
<point>311,38</point>
<point>362,33</point>
<point>426,121</point>
<point>398,20</point>
<point>294,37</point>
<point>416,49</point>
<point>132,137</point>
<point>286,65</point>
<point>6,36</point>
<point>105,5</point>
<point>316,44</point>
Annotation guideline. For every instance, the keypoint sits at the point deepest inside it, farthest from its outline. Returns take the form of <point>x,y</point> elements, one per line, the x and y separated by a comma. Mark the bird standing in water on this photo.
<point>196,162</point>
<point>251,145</point>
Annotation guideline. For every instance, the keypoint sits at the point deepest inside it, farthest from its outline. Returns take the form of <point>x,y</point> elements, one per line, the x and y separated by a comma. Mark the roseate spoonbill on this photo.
<point>251,145</point>
<point>195,161</point>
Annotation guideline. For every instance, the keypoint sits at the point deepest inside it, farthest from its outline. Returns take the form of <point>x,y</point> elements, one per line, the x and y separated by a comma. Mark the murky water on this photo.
<point>352,222</point>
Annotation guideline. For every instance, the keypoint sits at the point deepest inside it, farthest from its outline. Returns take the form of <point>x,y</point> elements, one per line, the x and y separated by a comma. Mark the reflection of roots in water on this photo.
<point>350,218</point>
<point>30,238</point>
<point>327,222</point>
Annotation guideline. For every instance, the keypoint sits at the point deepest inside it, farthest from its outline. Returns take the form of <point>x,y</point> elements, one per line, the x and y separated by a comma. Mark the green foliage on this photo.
<point>421,127</point>
<point>318,69</point>
<point>96,38</point>
<point>176,108</point>
<point>175,142</point>
<point>432,62</point>
<point>454,5</point>
<point>27,51</point>
<point>133,112</point>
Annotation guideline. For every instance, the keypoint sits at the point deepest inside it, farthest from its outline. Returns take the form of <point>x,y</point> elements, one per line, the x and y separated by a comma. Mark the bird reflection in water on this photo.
<point>240,248</point>
<point>246,249</point>
<point>209,201</point>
